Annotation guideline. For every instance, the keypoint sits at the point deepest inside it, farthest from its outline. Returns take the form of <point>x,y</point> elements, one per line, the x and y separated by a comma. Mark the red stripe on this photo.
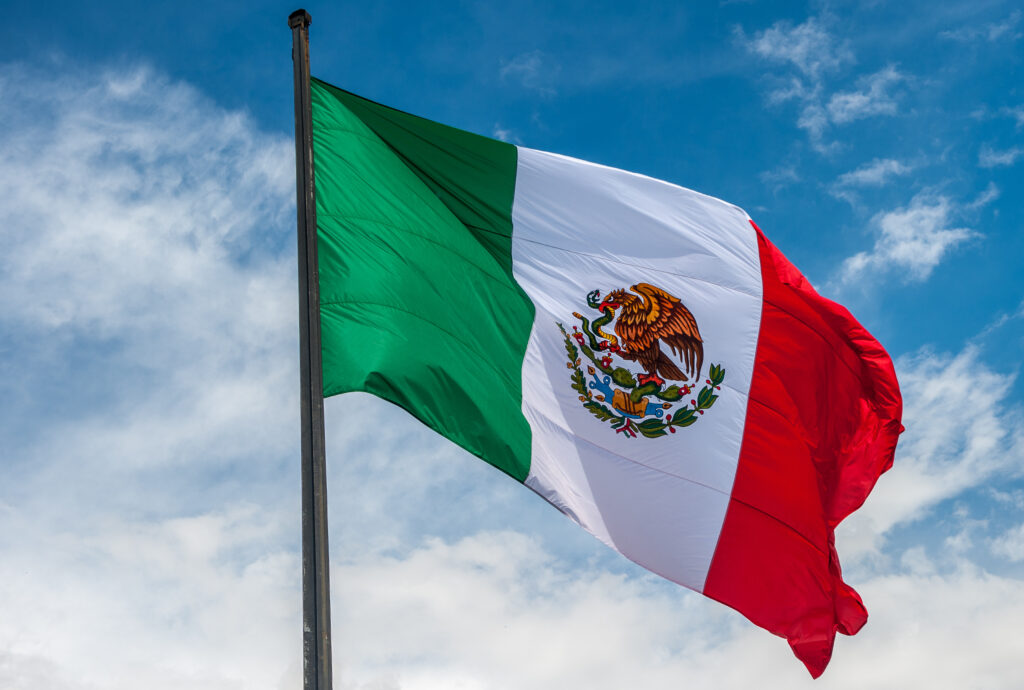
<point>822,424</point>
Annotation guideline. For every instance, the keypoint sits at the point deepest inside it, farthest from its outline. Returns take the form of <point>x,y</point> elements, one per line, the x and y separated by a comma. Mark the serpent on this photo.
<point>592,327</point>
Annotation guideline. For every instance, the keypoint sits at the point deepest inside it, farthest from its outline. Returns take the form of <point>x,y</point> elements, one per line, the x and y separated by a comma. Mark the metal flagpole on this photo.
<point>316,590</point>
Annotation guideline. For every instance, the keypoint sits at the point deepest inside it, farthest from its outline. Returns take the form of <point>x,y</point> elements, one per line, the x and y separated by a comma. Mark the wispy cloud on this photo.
<point>996,324</point>
<point>967,532</point>
<point>813,53</point>
<point>993,31</point>
<point>872,98</point>
<point>874,174</point>
<point>984,198</point>
<point>814,120</point>
<point>914,239</point>
<point>877,173</point>
<point>1010,544</point>
<point>1016,113</point>
<point>809,47</point>
<point>504,134</point>
<point>533,70</point>
<point>1009,499</point>
<point>989,157</point>
<point>780,177</point>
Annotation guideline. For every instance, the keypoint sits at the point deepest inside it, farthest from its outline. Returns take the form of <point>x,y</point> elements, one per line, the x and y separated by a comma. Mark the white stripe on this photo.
<point>578,227</point>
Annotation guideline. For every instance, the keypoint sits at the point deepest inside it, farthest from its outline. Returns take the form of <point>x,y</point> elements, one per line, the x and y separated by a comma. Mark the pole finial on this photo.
<point>299,18</point>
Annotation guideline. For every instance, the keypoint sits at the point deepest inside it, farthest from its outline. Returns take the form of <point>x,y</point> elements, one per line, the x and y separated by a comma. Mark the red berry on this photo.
<point>672,430</point>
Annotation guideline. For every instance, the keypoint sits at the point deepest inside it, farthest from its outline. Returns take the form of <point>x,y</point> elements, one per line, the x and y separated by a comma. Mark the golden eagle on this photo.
<point>650,316</point>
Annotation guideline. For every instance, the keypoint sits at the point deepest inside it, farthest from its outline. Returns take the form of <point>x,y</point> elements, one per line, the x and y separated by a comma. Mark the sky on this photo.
<point>149,463</point>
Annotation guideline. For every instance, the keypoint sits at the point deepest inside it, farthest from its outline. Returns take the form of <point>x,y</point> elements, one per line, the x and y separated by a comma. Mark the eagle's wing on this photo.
<point>669,320</point>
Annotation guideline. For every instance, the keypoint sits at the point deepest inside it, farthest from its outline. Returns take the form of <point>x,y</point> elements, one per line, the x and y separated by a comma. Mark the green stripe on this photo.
<point>418,302</point>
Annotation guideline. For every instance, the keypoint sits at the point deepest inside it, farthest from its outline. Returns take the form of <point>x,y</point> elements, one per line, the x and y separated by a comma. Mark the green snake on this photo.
<point>596,324</point>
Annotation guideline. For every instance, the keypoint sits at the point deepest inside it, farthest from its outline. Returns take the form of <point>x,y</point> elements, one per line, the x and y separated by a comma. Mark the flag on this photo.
<point>637,353</point>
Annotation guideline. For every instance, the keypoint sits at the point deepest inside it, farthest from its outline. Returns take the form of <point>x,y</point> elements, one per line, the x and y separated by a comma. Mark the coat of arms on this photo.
<point>659,399</point>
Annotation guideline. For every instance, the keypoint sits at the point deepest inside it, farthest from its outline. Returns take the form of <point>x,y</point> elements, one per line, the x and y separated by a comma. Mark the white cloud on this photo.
<point>779,177</point>
<point>874,174</point>
<point>1010,544</point>
<point>877,173</point>
<point>150,311</point>
<point>504,134</point>
<point>914,239</point>
<point>991,158</point>
<point>1016,113</point>
<point>142,222</point>
<point>964,539</point>
<point>794,89</point>
<point>814,53</point>
<point>497,612</point>
<point>1013,499</point>
<point>533,70</point>
<point>993,31</point>
<point>808,46</point>
<point>207,601</point>
<point>149,527</point>
<point>985,197</point>
<point>814,120</point>
<point>871,99</point>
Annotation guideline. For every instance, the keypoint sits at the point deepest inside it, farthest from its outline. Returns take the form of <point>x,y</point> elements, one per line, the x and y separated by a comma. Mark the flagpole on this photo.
<point>316,590</point>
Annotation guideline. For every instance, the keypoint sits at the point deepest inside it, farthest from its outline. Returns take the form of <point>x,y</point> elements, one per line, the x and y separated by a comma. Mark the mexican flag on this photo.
<point>635,352</point>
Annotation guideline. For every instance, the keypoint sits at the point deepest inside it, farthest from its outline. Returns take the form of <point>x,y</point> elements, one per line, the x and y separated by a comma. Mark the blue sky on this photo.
<point>149,480</point>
